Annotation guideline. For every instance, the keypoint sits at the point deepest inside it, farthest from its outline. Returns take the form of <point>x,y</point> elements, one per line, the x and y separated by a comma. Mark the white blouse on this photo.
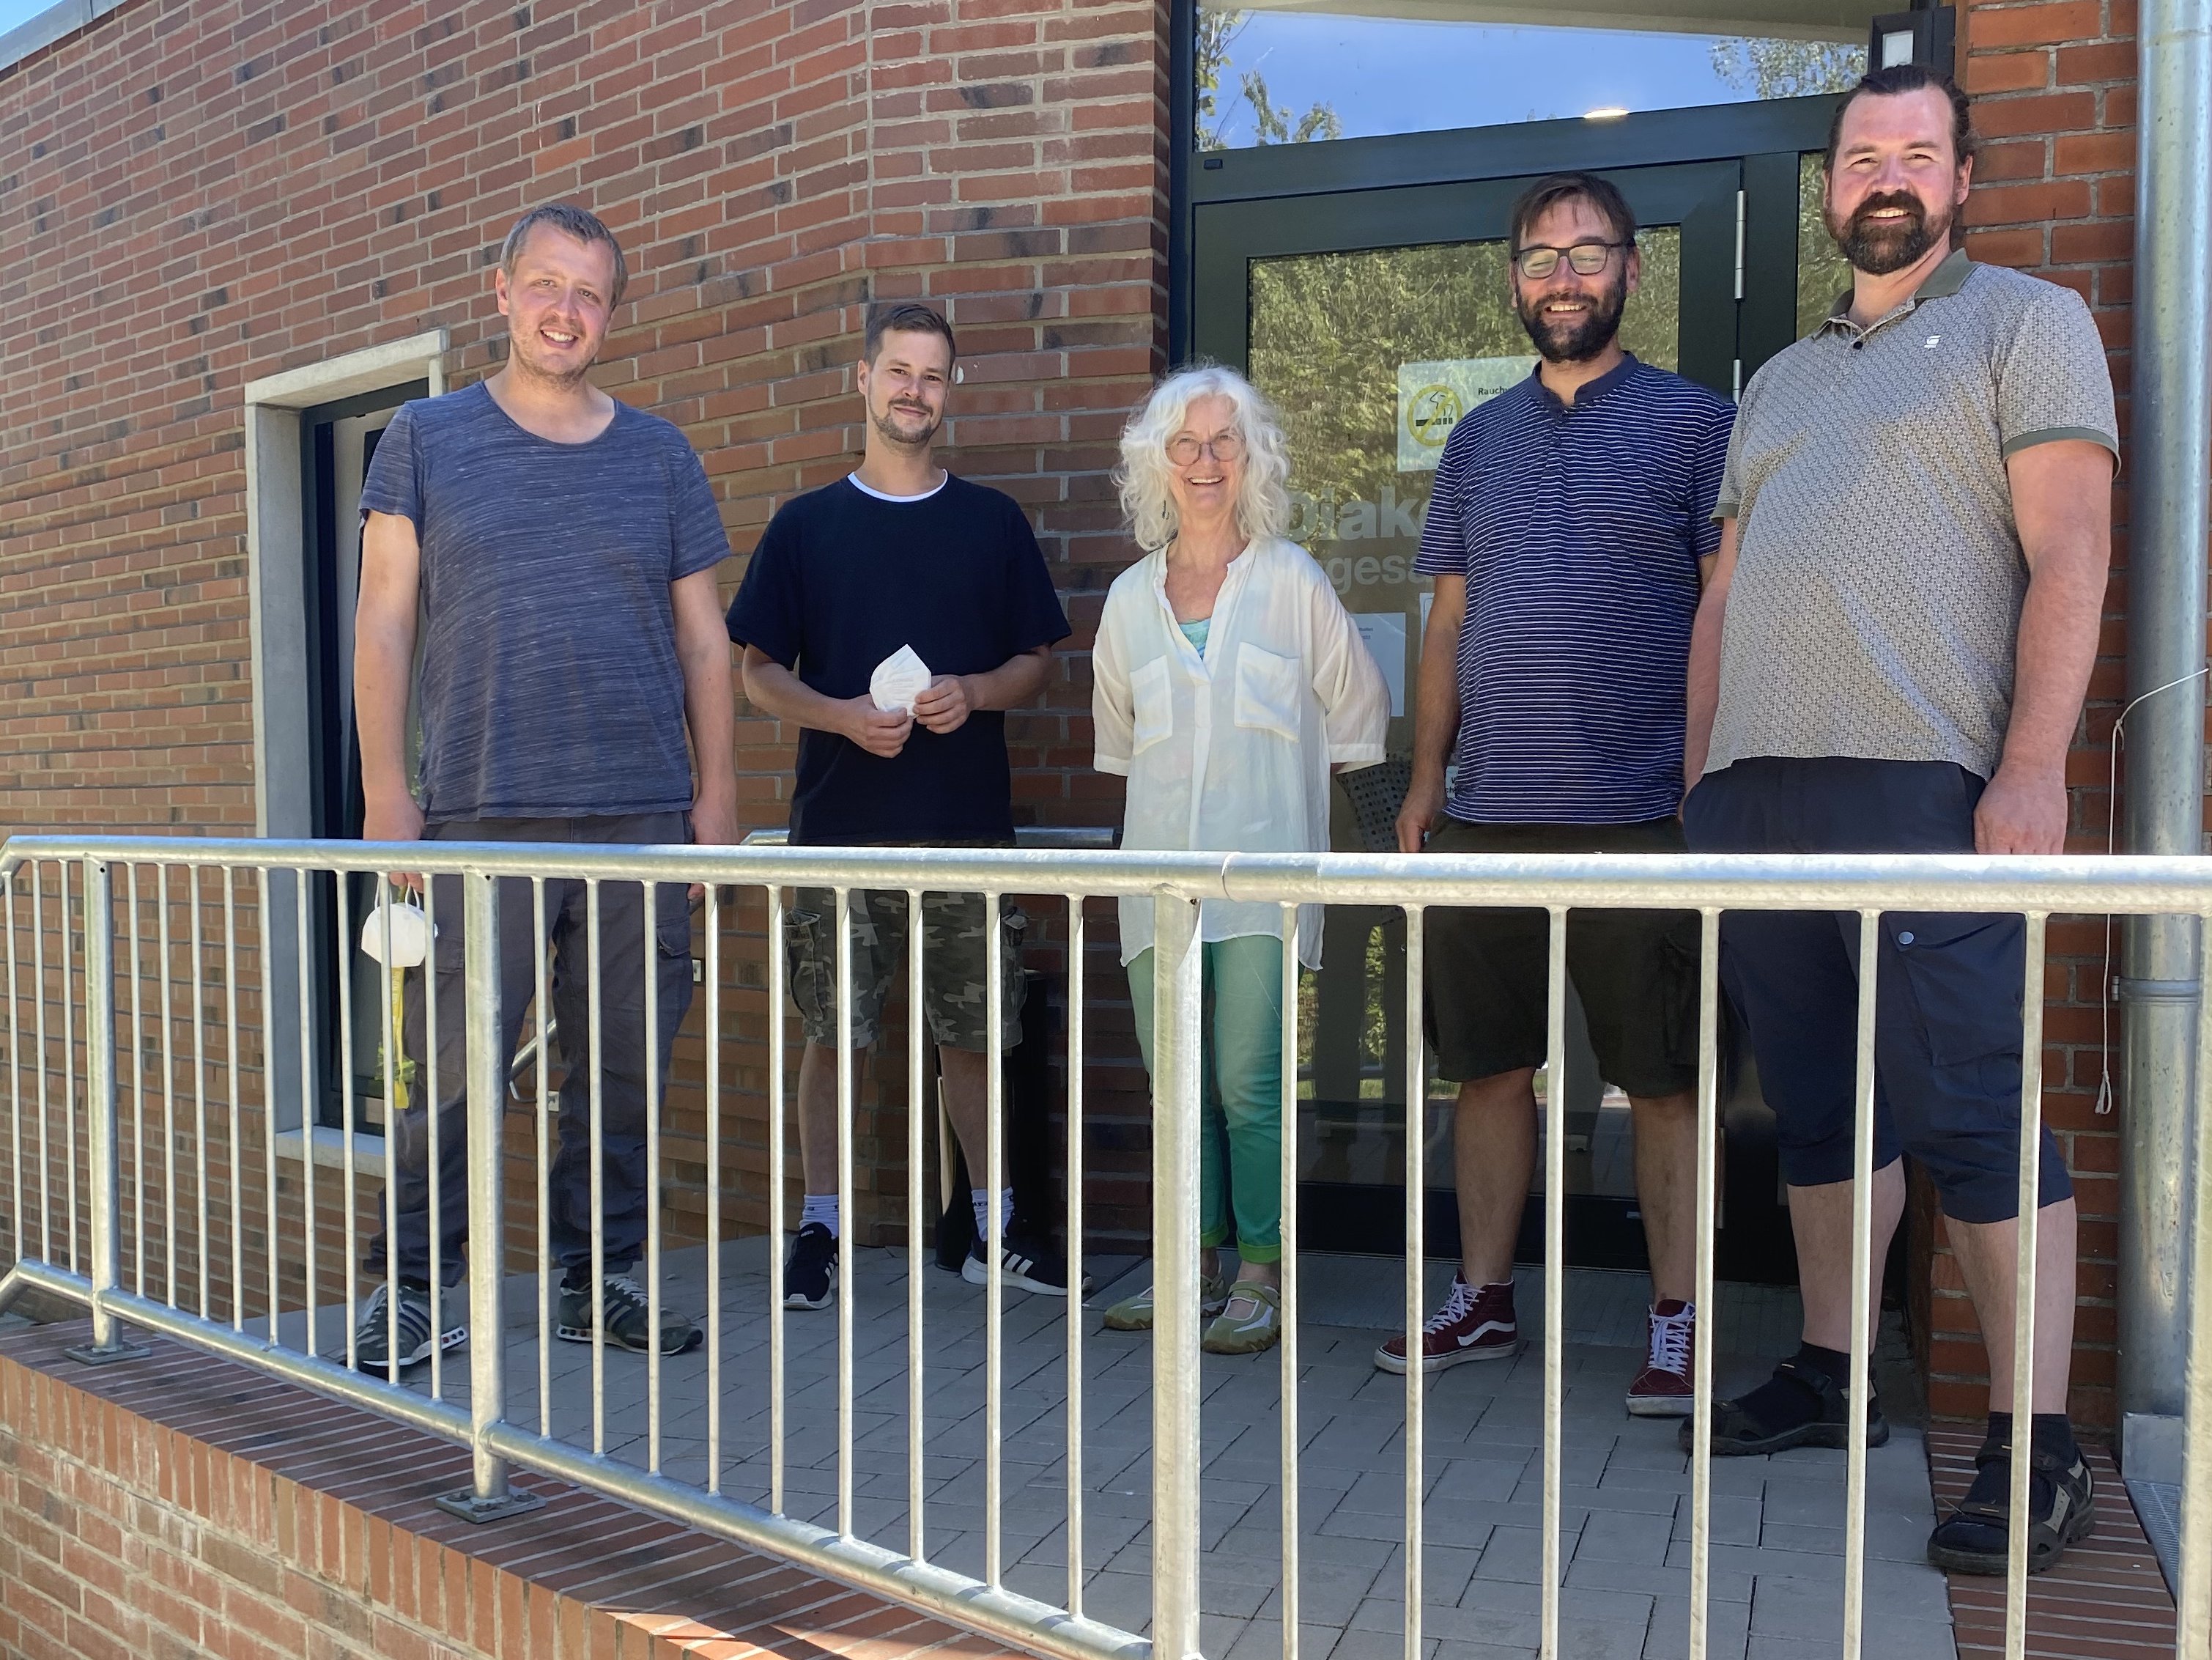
<point>1231,751</point>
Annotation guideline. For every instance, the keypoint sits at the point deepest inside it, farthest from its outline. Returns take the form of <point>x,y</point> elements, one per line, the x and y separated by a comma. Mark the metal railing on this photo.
<point>77,1097</point>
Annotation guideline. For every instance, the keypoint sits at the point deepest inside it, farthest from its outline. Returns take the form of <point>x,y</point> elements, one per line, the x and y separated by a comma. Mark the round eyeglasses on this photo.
<point>1584,259</point>
<point>1183,449</point>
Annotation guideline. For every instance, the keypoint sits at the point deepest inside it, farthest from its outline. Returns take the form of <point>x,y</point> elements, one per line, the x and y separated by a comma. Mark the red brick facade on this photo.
<point>200,192</point>
<point>2053,83</point>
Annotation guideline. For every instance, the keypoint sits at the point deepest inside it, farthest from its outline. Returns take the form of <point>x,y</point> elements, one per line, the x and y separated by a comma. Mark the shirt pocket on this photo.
<point>1267,689</point>
<point>1152,688</point>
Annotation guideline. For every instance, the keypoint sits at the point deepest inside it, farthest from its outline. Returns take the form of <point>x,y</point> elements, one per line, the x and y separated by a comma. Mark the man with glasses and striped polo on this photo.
<point>1569,536</point>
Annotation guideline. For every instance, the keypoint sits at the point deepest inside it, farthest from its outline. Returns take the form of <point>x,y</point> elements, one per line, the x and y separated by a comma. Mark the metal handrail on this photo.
<point>1067,839</point>
<point>2133,884</point>
<point>1177,886</point>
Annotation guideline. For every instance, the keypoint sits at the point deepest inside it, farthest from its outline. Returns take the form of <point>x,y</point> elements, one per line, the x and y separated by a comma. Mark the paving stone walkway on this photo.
<point>1778,1523</point>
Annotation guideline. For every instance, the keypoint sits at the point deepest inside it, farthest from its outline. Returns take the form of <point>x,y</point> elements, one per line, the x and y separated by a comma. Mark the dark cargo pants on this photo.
<point>623,961</point>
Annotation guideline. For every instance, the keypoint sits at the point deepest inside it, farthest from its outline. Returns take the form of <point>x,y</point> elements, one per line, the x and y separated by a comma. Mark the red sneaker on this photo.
<point>1473,1324</point>
<point>1662,1388</point>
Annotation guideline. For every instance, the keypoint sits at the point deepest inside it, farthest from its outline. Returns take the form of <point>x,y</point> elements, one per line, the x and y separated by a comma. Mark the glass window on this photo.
<point>1822,272</point>
<point>1371,356</point>
<point>1287,75</point>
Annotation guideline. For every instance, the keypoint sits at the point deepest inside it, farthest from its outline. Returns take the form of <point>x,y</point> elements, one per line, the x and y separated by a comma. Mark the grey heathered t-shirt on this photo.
<point>1875,601</point>
<point>550,686</point>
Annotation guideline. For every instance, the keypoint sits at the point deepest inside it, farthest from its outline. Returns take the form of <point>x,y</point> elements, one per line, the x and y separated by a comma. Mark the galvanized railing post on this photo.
<point>2192,1636</point>
<point>1178,1083</point>
<point>489,1497</point>
<point>106,1345</point>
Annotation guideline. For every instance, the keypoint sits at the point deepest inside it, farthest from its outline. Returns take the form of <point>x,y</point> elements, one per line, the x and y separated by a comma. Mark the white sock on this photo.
<point>820,1207</point>
<point>981,1198</point>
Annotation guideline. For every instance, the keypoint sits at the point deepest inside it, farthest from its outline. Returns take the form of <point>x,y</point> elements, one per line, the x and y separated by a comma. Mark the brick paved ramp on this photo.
<point>1777,1523</point>
<point>183,1505</point>
<point>2104,1601</point>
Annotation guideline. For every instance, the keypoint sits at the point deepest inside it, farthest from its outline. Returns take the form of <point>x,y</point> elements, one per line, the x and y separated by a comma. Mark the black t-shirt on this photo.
<point>840,581</point>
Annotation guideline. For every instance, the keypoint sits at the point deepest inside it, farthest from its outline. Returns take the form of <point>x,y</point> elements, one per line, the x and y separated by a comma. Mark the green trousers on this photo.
<point>1241,1135</point>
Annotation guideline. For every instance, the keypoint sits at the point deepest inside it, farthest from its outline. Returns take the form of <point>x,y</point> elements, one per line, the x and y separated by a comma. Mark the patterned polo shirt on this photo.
<point>1879,576</point>
<point>1579,528</point>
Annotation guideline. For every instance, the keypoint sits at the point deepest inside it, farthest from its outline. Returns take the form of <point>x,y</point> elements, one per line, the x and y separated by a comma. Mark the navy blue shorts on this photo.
<point>1946,1028</point>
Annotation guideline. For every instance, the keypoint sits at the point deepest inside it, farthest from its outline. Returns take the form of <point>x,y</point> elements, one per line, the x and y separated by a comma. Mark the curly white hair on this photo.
<point>1263,504</point>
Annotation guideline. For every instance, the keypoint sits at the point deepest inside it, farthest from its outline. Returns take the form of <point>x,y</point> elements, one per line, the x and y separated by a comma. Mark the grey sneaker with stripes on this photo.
<point>373,1333</point>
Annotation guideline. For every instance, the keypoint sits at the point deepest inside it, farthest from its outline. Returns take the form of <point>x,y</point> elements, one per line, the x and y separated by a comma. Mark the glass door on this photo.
<point>1374,320</point>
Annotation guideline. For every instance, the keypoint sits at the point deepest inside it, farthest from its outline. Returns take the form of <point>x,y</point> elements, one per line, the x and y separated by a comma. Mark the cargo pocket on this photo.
<point>671,936</point>
<point>1963,974</point>
<point>1153,690</point>
<point>671,921</point>
<point>448,948</point>
<point>1013,983</point>
<point>810,991</point>
<point>1267,690</point>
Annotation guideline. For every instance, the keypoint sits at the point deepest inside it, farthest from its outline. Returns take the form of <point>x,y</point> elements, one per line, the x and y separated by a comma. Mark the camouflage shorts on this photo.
<point>954,967</point>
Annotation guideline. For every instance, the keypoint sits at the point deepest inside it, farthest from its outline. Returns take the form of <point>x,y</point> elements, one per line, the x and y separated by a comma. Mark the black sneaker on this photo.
<point>1028,1263</point>
<point>629,1318</point>
<point>1749,1425</point>
<point>810,1272</point>
<point>372,1339</point>
<point>2062,1511</point>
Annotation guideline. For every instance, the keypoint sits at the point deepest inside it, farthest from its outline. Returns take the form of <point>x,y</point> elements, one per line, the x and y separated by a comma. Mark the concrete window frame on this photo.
<point>276,534</point>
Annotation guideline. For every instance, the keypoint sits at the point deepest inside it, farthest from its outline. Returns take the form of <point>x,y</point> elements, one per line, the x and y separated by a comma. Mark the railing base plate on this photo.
<point>85,1355</point>
<point>516,1501</point>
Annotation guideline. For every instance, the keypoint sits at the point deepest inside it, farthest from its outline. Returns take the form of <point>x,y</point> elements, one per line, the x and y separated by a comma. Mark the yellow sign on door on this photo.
<point>1432,397</point>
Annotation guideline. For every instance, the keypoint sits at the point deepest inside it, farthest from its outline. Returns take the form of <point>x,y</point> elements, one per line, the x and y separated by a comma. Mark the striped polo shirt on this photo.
<point>1578,528</point>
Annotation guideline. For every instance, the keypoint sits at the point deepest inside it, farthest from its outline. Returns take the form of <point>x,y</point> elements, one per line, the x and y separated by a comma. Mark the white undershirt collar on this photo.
<point>854,479</point>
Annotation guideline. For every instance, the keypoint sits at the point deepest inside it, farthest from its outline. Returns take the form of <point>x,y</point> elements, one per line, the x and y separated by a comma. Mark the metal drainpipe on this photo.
<point>2168,501</point>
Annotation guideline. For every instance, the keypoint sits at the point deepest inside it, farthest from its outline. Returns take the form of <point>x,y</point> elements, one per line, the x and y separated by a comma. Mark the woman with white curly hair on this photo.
<point>1227,684</point>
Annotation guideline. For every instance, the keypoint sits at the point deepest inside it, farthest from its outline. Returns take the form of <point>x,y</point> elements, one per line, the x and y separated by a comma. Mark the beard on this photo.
<point>525,359</point>
<point>906,438</point>
<point>1577,341</point>
<point>1878,247</point>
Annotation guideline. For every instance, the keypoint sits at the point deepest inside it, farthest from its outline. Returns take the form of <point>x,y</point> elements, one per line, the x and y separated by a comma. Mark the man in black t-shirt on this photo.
<point>900,554</point>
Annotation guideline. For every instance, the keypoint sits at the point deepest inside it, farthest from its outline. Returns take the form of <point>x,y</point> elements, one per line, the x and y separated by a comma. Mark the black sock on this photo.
<point>1782,1402</point>
<point>1836,1363</point>
<point>2048,1432</point>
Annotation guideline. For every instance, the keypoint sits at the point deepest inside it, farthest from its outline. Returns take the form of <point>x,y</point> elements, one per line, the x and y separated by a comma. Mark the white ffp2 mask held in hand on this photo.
<point>898,680</point>
<point>412,933</point>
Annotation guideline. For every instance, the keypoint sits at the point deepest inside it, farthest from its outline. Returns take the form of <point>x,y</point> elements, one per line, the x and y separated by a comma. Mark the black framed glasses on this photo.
<point>1537,261</point>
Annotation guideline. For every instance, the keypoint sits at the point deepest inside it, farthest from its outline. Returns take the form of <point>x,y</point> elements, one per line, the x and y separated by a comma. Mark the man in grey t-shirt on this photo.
<point>1891,657</point>
<point>559,549</point>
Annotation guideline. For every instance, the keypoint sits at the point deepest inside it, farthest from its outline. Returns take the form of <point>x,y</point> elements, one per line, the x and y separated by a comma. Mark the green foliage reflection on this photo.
<point>1329,330</point>
<point>1822,272</point>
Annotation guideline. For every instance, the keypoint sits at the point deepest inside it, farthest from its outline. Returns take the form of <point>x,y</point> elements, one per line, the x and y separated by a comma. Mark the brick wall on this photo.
<point>181,1505</point>
<point>2053,83</point>
<point>201,193</point>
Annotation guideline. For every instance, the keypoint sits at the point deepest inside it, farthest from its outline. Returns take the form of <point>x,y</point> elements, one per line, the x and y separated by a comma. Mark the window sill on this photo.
<point>327,1147</point>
